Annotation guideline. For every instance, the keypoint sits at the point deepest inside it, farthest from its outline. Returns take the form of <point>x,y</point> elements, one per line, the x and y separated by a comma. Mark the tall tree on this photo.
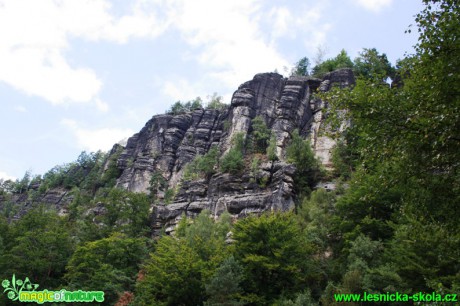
<point>274,256</point>
<point>371,64</point>
<point>409,147</point>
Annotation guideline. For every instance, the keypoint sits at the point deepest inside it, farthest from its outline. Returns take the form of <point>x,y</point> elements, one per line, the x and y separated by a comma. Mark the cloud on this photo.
<point>5,176</point>
<point>305,23</point>
<point>228,37</point>
<point>102,106</point>
<point>96,139</point>
<point>373,5</point>
<point>181,89</point>
<point>35,36</point>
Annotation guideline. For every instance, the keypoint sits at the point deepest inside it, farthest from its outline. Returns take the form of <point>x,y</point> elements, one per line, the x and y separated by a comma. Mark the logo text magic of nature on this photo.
<point>25,291</point>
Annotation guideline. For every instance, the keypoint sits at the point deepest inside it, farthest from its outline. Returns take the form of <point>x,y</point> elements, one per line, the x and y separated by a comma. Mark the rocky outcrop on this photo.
<point>239,195</point>
<point>168,143</point>
<point>321,143</point>
<point>19,204</point>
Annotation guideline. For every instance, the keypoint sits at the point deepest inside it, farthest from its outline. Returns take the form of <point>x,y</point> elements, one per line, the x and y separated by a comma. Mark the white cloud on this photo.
<point>5,176</point>
<point>181,89</point>
<point>229,37</point>
<point>305,23</point>
<point>102,106</point>
<point>373,5</point>
<point>35,35</point>
<point>96,139</point>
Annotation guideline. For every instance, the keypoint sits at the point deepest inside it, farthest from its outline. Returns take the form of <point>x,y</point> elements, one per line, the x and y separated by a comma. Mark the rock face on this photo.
<point>168,143</point>
<point>322,145</point>
<point>59,198</point>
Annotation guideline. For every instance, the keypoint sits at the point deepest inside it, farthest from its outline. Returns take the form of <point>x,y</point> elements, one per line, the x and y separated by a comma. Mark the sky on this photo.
<point>82,75</point>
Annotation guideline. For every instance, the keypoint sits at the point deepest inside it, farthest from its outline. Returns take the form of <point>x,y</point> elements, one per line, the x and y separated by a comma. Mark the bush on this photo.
<point>260,135</point>
<point>342,60</point>
<point>308,171</point>
<point>202,166</point>
<point>233,161</point>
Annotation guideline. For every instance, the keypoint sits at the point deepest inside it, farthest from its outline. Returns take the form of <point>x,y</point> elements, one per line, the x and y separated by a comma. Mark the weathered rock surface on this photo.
<point>58,198</point>
<point>167,143</point>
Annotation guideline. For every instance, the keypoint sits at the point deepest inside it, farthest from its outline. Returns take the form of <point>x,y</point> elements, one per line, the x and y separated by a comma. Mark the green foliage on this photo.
<point>224,287</point>
<point>84,173</point>
<point>372,65</point>
<point>342,60</point>
<point>273,254</point>
<point>215,102</point>
<point>180,266</point>
<point>301,299</point>
<point>124,211</point>
<point>393,226</point>
<point>112,173</point>
<point>342,159</point>
<point>317,217</point>
<point>157,183</point>
<point>255,163</point>
<point>260,134</point>
<point>202,166</point>
<point>37,246</point>
<point>406,186</point>
<point>426,255</point>
<point>205,238</point>
<point>271,149</point>
<point>308,172</point>
<point>182,107</point>
<point>233,161</point>
<point>172,276</point>
<point>301,67</point>
<point>170,194</point>
<point>110,264</point>
<point>6,186</point>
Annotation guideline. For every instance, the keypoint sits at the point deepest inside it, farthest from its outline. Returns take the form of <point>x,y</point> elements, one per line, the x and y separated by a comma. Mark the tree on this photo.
<point>260,134</point>
<point>408,149</point>
<point>233,161</point>
<point>177,108</point>
<point>342,60</point>
<point>274,256</point>
<point>202,166</point>
<point>180,107</point>
<point>109,264</point>
<point>371,64</point>
<point>301,68</point>
<point>157,183</point>
<point>224,287</point>
<point>215,102</point>
<point>173,276</point>
<point>38,247</point>
<point>300,153</point>
<point>178,270</point>
<point>271,149</point>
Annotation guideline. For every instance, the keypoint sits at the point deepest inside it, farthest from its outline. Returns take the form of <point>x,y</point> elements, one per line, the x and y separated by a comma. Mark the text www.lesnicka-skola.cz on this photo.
<point>395,297</point>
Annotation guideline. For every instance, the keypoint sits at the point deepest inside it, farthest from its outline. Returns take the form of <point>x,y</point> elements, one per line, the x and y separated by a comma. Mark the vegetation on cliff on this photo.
<point>390,225</point>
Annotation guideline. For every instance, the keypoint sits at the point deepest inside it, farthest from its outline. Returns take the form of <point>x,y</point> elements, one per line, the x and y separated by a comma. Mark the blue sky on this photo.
<point>84,74</point>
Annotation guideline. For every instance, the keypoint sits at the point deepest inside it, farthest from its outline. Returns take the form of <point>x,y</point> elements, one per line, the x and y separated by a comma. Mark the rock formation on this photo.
<point>168,143</point>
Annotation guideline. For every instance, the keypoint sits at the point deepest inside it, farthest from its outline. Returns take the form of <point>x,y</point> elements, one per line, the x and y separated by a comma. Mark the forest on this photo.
<point>391,225</point>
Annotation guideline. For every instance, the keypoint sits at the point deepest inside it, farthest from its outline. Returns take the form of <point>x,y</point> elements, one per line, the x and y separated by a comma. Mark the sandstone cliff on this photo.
<point>168,143</point>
